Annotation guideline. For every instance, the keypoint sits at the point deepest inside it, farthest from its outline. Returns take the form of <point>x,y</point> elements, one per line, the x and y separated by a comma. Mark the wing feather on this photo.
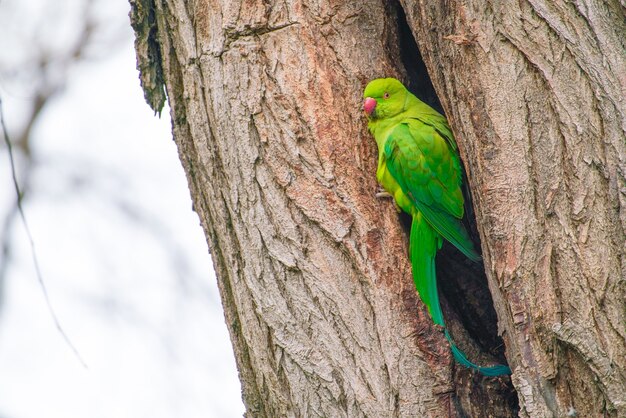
<point>428,172</point>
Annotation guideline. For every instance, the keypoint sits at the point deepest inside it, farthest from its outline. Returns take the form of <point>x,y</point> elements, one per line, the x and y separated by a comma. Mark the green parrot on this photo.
<point>419,166</point>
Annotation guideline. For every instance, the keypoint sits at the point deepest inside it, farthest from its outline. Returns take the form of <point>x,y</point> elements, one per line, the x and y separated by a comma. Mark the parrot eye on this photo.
<point>386,95</point>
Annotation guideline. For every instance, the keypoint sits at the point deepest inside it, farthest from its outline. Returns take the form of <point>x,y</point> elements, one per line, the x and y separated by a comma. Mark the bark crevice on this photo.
<point>466,297</point>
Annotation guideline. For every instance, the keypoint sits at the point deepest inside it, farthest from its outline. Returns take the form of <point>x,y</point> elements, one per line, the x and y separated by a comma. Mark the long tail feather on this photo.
<point>424,243</point>
<point>459,356</point>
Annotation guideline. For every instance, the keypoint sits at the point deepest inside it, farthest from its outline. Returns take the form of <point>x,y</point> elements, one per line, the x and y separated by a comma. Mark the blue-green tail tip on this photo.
<point>497,370</point>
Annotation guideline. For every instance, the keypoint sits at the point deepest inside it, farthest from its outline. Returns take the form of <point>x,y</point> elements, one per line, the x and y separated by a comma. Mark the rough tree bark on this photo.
<point>265,101</point>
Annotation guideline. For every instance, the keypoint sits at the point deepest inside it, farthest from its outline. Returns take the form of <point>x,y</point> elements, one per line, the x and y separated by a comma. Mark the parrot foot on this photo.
<point>382,194</point>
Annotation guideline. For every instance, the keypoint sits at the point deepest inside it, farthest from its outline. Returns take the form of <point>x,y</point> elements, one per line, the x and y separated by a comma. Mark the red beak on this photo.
<point>369,105</point>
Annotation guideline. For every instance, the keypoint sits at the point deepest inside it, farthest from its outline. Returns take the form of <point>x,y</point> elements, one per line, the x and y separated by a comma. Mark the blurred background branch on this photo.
<point>46,70</point>
<point>124,257</point>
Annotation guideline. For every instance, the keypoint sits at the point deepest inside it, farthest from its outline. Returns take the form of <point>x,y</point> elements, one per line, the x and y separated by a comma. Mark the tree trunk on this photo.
<point>313,269</point>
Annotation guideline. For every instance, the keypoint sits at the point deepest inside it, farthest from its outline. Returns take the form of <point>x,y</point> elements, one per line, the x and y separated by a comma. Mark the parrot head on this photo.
<point>384,97</point>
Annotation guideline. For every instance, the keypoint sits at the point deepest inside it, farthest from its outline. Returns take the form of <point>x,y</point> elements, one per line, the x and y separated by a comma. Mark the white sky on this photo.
<point>123,256</point>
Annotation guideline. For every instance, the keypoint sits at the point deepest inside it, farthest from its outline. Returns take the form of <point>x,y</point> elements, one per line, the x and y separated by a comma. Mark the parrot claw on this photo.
<point>382,194</point>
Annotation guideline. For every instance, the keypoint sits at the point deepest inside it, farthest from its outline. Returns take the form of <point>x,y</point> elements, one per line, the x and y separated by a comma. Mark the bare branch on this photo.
<point>20,210</point>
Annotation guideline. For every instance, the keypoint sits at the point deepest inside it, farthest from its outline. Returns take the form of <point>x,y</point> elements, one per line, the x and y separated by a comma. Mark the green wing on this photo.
<point>427,168</point>
<point>439,124</point>
<point>429,116</point>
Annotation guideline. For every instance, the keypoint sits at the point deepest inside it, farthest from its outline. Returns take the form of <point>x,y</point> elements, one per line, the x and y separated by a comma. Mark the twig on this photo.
<point>32,242</point>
